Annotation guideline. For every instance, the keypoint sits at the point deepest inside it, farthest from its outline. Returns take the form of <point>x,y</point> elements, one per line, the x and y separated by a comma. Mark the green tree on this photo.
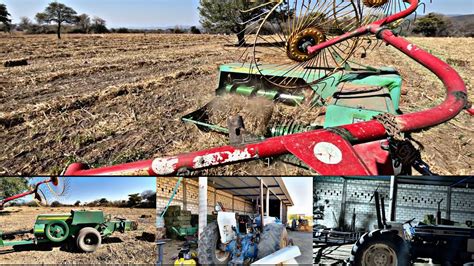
<point>57,13</point>
<point>134,199</point>
<point>194,30</point>
<point>10,186</point>
<point>225,16</point>
<point>77,203</point>
<point>4,17</point>
<point>432,25</point>
<point>56,204</point>
<point>103,201</point>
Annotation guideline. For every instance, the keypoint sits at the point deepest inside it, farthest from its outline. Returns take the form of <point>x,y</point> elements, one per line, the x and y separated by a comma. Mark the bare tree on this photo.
<point>84,23</point>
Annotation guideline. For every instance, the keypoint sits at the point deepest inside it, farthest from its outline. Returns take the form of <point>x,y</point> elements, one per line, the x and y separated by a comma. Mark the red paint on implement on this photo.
<point>360,133</point>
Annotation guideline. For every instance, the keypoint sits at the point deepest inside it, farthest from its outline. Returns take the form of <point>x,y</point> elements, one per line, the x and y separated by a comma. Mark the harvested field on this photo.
<point>120,248</point>
<point>118,98</point>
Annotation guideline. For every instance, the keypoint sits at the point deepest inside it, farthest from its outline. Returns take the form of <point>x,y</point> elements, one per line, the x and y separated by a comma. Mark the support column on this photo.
<point>448,203</point>
<point>185,198</point>
<point>342,214</point>
<point>267,203</point>
<point>233,206</point>
<point>281,211</point>
<point>202,204</point>
<point>393,198</point>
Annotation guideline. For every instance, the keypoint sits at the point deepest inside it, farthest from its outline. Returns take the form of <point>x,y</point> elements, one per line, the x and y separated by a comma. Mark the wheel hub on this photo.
<point>298,43</point>
<point>380,255</point>
<point>374,3</point>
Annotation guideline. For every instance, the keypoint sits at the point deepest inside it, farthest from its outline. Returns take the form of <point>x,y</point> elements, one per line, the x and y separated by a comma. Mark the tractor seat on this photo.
<point>366,97</point>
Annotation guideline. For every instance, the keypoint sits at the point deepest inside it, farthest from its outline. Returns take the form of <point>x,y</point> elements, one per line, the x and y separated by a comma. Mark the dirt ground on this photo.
<point>119,98</point>
<point>118,249</point>
<point>303,240</point>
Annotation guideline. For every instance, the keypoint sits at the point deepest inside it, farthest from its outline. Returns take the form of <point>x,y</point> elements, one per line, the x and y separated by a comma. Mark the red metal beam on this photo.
<point>304,145</point>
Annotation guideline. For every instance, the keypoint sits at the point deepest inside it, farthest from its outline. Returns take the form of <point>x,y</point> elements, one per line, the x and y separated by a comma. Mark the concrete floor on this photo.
<point>335,256</point>
<point>304,241</point>
<point>301,239</point>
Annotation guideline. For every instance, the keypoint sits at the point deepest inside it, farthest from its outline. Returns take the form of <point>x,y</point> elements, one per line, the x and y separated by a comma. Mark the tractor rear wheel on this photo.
<point>88,239</point>
<point>208,247</point>
<point>273,238</point>
<point>380,247</point>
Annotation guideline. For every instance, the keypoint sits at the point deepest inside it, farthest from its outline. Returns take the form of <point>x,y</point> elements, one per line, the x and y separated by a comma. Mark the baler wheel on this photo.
<point>208,251</point>
<point>88,240</point>
<point>380,247</point>
<point>57,231</point>
<point>273,238</point>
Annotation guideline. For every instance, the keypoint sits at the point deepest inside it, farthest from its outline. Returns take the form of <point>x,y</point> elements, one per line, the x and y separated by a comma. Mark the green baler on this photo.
<point>85,228</point>
<point>350,96</point>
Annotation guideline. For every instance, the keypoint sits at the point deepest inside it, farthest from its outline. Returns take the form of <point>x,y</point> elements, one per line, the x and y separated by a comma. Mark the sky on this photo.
<point>167,13</point>
<point>301,191</point>
<point>87,189</point>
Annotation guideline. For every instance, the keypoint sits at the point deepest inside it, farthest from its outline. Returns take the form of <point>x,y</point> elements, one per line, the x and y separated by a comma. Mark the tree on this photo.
<point>59,14</point>
<point>56,204</point>
<point>134,199</point>
<point>10,186</point>
<point>4,17</point>
<point>225,16</point>
<point>77,203</point>
<point>25,24</point>
<point>432,25</point>
<point>84,23</point>
<point>194,30</point>
<point>99,25</point>
<point>103,201</point>
<point>150,197</point>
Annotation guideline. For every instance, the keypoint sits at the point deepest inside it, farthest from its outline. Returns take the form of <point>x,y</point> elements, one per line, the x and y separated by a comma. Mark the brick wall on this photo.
<point>413,201</point>
<point>187,197</point>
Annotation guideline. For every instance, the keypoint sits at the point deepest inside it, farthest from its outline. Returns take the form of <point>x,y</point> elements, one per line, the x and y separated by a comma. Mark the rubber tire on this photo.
<point>208,244</point>
<point>81,236</point>
<point>273,238</point>
<point>53,239</point>
<point>387,237</point>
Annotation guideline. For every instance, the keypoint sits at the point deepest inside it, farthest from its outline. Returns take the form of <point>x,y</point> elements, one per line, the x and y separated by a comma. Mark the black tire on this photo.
<point>273,238</point>
<point>88,239</point>
<point>380,247</point>
<point>208,252</point>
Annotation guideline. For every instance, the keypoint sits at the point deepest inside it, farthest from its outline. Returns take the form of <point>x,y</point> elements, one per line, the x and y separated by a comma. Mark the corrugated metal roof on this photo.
<point>249,187</point>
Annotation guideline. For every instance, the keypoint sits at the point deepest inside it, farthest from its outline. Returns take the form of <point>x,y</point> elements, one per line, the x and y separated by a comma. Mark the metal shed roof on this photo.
<point>249,187</point>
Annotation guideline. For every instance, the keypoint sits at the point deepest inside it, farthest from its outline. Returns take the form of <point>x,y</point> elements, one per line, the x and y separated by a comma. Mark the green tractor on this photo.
<point>84,228</point>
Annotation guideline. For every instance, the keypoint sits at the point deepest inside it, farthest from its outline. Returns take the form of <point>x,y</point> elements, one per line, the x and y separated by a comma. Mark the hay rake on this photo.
<point>44,191</point>
<point>315,53</point>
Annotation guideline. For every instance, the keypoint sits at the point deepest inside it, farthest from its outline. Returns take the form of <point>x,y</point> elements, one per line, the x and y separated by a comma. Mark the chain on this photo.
<point>391,125</point>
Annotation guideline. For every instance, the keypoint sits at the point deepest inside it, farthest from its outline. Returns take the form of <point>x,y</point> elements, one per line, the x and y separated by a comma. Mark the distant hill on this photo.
<point>463,25</point>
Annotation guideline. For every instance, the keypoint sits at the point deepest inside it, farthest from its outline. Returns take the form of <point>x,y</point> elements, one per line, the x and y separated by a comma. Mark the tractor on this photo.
<point>85,228</point>
<point>402,243</point>
<point>302,53</point>
<point>238,240</point>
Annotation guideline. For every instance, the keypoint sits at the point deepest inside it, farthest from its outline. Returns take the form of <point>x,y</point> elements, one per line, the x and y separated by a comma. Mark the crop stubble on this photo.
<point>118,98</point>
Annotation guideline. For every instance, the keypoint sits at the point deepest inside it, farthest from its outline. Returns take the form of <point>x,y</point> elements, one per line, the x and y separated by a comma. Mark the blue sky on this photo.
<point>301,191</point>
<point>162,13</point>
<point>87,189</point>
